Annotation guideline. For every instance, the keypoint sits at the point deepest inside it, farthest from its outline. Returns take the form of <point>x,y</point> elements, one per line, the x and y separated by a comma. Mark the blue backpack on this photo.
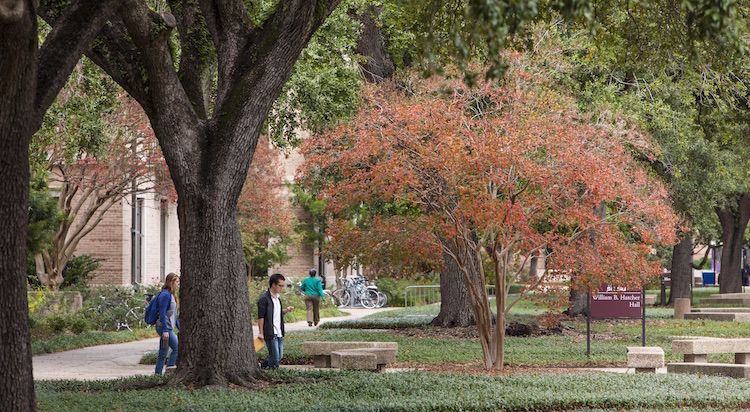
<point>152,310</point>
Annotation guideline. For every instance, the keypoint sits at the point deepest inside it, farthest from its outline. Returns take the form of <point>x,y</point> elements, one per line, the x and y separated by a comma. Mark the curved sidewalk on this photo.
<point>121,359</point>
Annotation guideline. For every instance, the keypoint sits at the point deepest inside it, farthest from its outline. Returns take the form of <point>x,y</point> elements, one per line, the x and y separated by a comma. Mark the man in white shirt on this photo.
<point>271,320</point>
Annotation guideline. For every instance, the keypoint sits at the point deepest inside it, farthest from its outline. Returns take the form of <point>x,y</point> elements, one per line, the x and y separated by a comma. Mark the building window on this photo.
<point>137,242</point>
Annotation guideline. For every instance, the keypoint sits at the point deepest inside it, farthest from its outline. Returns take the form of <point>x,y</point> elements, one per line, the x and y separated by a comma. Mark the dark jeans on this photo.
<point>275,352</point>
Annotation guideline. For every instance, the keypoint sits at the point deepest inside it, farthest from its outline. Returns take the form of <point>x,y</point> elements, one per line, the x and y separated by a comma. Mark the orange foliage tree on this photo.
<point>512,171</point>
<point>266,220</point>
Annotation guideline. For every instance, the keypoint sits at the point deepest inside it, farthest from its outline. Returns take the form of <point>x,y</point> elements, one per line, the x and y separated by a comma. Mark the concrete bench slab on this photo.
<point>384,356</point>
<point>711,345</point>
<point>697,350</point>
<point>719,369</point>
<point>720,310</point>
<point>321,350</point>
<point>727,299</point>
<point>719,316</point>
<point>352,359</point>
<point>645,358</point>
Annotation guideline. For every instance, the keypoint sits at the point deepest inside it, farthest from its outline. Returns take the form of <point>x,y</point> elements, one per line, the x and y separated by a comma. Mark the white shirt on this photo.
<point>276,314</point>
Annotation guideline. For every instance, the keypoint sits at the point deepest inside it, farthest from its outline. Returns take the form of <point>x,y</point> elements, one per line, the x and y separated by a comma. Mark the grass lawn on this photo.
<point>451,378</point>
<point>69,341</point>
<point>415,391</point>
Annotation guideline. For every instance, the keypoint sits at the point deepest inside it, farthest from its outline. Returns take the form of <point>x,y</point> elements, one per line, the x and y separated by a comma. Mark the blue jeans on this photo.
<point>163,348</point>
<point>275,352</point>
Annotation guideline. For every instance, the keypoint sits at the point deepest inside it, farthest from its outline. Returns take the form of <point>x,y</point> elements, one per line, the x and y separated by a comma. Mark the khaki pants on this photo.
<point>312,303</point>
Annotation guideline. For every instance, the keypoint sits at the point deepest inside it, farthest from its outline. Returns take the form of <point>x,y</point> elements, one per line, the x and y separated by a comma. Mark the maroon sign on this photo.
<point>612,302</point>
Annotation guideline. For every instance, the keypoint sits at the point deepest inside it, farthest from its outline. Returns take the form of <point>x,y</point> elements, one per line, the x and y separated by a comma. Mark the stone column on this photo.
<point>681,307</point>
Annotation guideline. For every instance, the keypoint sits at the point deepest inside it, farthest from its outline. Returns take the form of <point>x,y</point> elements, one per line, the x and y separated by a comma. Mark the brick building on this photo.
<point>155,234</point>
<point>304,256</point>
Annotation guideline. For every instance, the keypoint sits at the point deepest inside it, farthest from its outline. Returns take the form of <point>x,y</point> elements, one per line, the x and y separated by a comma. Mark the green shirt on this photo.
<point>312,286</point>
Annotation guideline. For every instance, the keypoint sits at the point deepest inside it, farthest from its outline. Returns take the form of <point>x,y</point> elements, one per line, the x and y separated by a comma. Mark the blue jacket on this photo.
<point>167,311</point>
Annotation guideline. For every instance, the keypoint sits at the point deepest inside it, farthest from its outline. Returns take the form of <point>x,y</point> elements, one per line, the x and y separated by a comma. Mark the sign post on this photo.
<point>609,302</point>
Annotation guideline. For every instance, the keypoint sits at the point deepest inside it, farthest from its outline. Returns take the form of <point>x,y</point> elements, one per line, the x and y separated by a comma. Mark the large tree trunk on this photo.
<point>378,65</point>
<point>682,268</point>
<point>455,306</point>
<point>18,53</point>
<point>208,141</point>
<point>733,226</point>
<point>216,340</point>
<point>29,81</point>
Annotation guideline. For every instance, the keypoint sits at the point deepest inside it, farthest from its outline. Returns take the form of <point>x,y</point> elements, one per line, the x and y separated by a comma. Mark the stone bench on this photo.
<point>322,352</point>
<point>645,358</point>
<point>366,358</point>
<point>695,354</point>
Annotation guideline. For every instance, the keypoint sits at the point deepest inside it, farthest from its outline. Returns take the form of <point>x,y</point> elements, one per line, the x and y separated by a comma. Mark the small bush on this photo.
<point>149,358</point>
<point>80,325</point>
<point>79,270</point>
<point>58,322</point>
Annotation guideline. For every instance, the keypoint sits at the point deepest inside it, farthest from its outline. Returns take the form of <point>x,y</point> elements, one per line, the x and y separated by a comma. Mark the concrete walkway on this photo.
<point>121,359</point>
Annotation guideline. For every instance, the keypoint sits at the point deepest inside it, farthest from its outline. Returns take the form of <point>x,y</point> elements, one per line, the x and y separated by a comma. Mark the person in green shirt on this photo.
<point>313,290</point>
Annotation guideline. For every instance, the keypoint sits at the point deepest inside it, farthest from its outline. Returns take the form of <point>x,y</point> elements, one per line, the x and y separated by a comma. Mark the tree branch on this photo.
<point>198,56</point>
<point>264,62</point>
<point>73,32</point>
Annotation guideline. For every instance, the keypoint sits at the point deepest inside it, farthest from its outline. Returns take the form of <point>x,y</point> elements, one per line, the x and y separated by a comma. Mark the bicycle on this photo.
<point>356,291</point>
<point>118,312</point>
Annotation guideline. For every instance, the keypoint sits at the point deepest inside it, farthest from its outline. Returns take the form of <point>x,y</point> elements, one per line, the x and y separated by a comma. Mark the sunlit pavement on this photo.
<point>121,359</point>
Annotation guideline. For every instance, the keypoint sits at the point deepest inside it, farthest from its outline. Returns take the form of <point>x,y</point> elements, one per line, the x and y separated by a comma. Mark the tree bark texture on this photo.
<point>733,225</point>
<point>18,54</point>
<point>217,330</point>
<point>30,78</point>
<point>455,306</point>
<point>682,268</point>
<point>378,65</point>
<point>577,302</point>
<point>208,149</point>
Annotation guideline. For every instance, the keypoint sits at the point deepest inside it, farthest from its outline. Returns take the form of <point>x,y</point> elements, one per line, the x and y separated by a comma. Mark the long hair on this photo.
<point>169,284</point>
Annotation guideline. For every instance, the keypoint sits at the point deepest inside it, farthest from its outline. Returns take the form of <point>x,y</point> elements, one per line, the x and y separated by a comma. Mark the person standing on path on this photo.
<point>271,321</point>
<point>313,290</point>
<point>168,303</point>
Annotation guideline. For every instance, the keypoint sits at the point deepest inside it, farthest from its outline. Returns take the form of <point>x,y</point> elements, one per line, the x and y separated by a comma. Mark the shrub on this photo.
<point>58,322</point>
<point>79,270</point>
<point>706,265</point>
<point>80,325</point>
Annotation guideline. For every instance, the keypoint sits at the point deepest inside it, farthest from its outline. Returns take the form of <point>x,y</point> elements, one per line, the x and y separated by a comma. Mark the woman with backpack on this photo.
<point>313,290</point>
<point>167,305</point>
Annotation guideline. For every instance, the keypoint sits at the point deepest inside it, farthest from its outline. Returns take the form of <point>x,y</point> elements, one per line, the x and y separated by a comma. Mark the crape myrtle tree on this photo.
<point>97,148</point>
<point>264,213</point>
<point>513,170</point>
<point>207,139</point>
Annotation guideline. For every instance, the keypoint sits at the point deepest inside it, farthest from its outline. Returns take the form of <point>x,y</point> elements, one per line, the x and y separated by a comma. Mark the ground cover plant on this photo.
<point>69,341</point>
<point>563,345</point>
<point>329,390</point>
